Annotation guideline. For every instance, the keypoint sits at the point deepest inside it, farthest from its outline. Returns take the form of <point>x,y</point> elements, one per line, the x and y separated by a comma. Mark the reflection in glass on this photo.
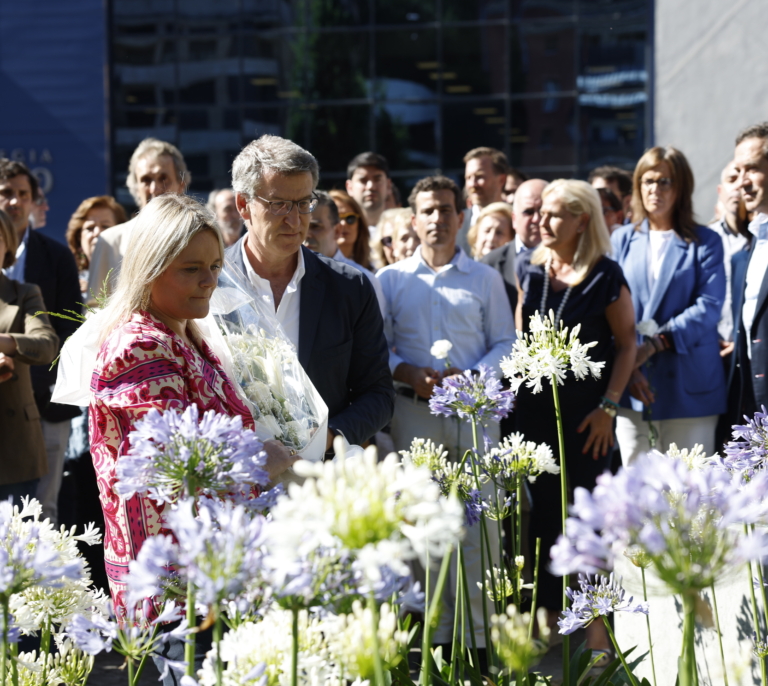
<point>474,60</point>
<point>406,134</point>
<point>542,135</point>
<point>408,56</point>
<point>470,125</point>
<point>405,11</point>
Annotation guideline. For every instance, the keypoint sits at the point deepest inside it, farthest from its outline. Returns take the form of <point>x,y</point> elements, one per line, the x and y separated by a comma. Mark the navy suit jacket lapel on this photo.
<point>677,250</point>
<point>762,295</point>
<point>310,306</point>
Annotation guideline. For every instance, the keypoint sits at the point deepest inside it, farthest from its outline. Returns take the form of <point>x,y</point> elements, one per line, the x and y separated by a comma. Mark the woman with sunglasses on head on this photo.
<point>675,272</point>
<point>352,230</point>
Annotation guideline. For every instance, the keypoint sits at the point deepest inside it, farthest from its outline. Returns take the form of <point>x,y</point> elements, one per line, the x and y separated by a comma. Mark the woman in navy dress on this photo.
<point>570,274</point>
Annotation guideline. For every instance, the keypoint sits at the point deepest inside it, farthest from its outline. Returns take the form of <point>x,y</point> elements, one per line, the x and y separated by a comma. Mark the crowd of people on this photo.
<point>363,288</point>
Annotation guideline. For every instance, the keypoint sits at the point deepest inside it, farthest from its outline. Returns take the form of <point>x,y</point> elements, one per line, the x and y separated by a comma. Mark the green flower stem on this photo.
<point>759,566</point>
<point>4,656</point>
<point>45,649</point>
<point>564,516</point>
<point>14,664</point>
<point>630,676</point>
<point>756,621</point>
<point>218,631</point>
<point>648,626</point>
<point>430,614</point>
<point>535,588</point>
<point>719,637</point>
<point>457,616</point>
<point>518,544</point>
<point>490,653</point>
<point>377,665</point>
<point>687,673</point>
<point>131,677</point>
<point>189,647</point>
<point>144,657</point>
<point>468,605</point>
<point>295,648</point>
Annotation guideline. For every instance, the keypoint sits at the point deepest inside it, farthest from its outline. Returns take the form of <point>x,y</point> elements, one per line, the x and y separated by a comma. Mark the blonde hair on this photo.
<point>11,239</point>
<point>162,230</point>
<point>397,216</point>
<point>494,208</point>
<point>579,198</point>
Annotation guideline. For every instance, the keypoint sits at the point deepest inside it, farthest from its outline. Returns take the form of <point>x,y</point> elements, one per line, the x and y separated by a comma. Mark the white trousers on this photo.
<point>56,436</point>
<point>412,419</point>
<point>633,434</point>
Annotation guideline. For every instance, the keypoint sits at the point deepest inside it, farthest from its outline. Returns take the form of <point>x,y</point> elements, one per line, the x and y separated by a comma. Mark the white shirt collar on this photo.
<point>259,282</point>
<point>758,227</point>
<point>23,242</point>
<point>459,260</point>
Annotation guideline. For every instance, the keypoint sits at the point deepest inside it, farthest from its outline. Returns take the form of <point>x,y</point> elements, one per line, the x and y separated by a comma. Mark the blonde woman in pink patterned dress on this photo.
<point>152,355</point>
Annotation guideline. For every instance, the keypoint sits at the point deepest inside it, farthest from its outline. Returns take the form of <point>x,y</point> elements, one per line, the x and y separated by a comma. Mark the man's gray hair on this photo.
<point>325,200</point>
<point>153,147</point>
<point>270,152</point>
<point>211,204</point>
<point>756,131</point>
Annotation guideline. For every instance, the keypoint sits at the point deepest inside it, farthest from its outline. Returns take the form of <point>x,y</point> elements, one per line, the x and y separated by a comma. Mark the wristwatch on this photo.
<point>608,408</point>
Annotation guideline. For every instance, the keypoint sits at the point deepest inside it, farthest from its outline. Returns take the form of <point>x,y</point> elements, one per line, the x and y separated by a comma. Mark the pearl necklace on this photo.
<point>545,294</point>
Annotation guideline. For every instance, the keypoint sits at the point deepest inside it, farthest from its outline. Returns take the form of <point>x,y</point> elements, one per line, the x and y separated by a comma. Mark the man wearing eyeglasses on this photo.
<point>328,310</point>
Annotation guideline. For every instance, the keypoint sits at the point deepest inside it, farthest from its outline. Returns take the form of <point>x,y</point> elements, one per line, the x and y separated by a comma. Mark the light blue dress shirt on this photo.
<point>16,270</point>
<point>758,264</point>
<point>464,303</point>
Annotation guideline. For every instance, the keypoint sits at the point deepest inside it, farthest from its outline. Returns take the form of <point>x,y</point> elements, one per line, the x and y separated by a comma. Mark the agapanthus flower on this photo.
<point>515,458</point>
<point>472,396</point>
<point>598,597</point>
<point>746,454</point>
<point>376,510</point>
<point>351,641</point>
<point>680,518</point>
<point>548,352</point>
<point>259,652</point>
<point>28,555</point>
<point>92,635</point>
<point>453,479</point>
<point>510,636</point>
<point>68,666</point>
<point>759,647</point>
<point>498,585</point>
<point>219,551</point>
<point>43,605</point>
<point>176,454</point>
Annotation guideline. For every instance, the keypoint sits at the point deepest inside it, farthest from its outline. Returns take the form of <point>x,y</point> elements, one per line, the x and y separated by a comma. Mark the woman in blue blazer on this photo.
<point>675,272</point>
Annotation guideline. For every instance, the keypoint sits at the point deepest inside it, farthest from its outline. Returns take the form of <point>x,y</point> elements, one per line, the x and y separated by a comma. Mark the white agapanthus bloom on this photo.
<point>515,457</point>
<point>351,644</point>
<point>510,636</point>
<point>440,349</point>
<point>380,511</point>
<point>263,649</point>
<point>547,351</point>
<point>648,328</point>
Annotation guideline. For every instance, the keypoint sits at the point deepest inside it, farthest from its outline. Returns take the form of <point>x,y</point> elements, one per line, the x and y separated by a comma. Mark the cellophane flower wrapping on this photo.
<point>264,366</point>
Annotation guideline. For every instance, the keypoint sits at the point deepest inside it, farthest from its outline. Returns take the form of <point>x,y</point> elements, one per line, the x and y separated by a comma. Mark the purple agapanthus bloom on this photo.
<point>92,636</point>
<point>746,454</point>
<point>598,597</point>
<point>472,396</point>
<point>28,560</point>
<point>174,455</point>
<point>474,506</point>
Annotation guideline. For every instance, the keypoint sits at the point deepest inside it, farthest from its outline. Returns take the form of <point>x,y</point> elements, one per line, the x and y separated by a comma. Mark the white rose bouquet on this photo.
<point>262,362</point>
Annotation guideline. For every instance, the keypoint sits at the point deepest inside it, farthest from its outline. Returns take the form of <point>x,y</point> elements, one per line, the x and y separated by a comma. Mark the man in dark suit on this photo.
<point>747,378</point>
<point>50,265</point>
<point>328,310</point>
<point>525,221</point>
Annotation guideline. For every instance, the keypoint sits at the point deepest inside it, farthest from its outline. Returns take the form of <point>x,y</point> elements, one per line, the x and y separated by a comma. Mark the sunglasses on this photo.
<point>348,218</point>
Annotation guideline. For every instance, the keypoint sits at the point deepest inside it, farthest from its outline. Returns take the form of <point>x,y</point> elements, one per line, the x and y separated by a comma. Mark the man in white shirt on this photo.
<point>440,293</point>
<point>369,184</point>
<point>156,167</point>
<point>747,379</point>
<point>328,310</point>
<point>485,175</point>
<point>732,230</point>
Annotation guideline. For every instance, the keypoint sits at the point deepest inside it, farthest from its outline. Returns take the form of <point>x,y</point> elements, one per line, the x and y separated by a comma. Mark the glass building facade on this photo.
<point>560,85</point>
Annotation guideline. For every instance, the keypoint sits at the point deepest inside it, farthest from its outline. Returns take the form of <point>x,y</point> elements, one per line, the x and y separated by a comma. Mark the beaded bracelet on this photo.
<point>609,402</point>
